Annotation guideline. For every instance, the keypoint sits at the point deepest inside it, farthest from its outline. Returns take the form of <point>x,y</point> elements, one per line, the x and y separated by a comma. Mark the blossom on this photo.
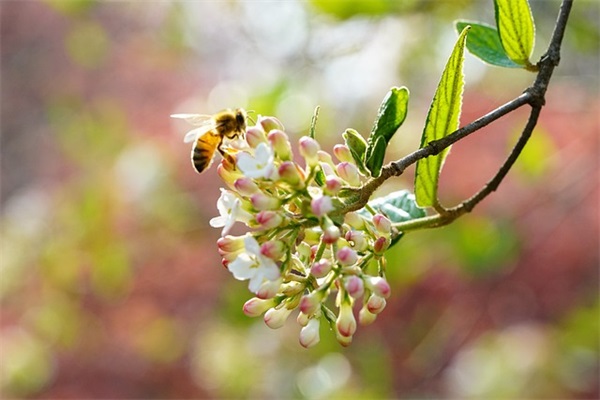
<point>254,266</point>
<point>230,208</point>
<point>261,165</point>
<point>309,334</point>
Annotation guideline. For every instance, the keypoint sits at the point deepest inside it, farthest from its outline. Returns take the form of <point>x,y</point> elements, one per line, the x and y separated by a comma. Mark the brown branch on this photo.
<point>533,96</point>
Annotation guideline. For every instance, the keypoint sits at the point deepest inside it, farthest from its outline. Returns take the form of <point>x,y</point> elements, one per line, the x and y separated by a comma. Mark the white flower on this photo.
<point>230,208</point>
<point>252,265</point>
<point>261,165</point>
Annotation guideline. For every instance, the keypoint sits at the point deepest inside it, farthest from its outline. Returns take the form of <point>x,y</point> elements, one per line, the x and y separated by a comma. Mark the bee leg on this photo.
<point>226,156</point>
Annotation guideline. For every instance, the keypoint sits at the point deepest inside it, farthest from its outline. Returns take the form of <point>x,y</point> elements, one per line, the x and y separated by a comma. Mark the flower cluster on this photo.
<point>301,251</point>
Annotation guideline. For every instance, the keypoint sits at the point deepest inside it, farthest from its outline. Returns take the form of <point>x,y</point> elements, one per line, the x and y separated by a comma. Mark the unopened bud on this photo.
<point>331,234</point>
<point>333,184</point>
<point>357,240</point>
<point>345,323</point>
<point>290,173</point>
<point>348,172</point>
<point>311,302</point>
<point>245,186</point>
<point>321,205</point>
<point>270,123</point>
<point>269,289</point>
<point>320,268</point>
<point>342,153</point>
<point>354,286</point>
<point>261,201</point>
<point>346,256</point>
<point>365,317</point>
<point>354,220</point>
<point>255,136</point>
<point>281,144</point>
<point>275,317</point>
<point>309,148</point>
<point>309,334</point>
<point>379,286</point>
<point>273,249</point>
<point>375,304</point>
<point>268,219</point>
<point>382,224</point>
<point>255,306</point>
<point>381,245</point>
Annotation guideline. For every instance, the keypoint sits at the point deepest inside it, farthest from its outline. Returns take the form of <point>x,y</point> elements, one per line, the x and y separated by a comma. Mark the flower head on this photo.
<point>254,266</point>
<point>230,208</point>
<point>261,165</point>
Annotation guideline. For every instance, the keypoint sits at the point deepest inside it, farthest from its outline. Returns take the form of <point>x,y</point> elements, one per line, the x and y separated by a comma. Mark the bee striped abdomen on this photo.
<point>204,150</point>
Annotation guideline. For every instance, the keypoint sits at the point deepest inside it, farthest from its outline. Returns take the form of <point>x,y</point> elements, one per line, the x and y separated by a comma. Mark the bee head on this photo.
<point>240,117</point>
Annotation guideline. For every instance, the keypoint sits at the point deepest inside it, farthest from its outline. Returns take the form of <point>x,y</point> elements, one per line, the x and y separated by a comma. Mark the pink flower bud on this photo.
<point>375,304</point>
<point>281,144</point>
<point>268,219</point>
<point>365,317</point>
<point>325,157</point>
<point>290,173</point>
<point>309,148</point>
<point>321,205</point>
<point>354,286</point>
<point>255,306</point>
<point>270,123</point>
<point>357,240</point>
<point>311,302</point>
<point>302,319</point>
<point>245,186</point>
<point>382,224</point>
<point>354,220</point>
<point>275,317</point>
<point>333,184</point>
<point>269,289</point>
<point>378,286</point>
<point>228,176</point>
<point>320,268</point>
<point>331,234</point>
<point>309,334</point>
<point>381,245</point>
<point>349,173</point>
<point>274,249</point>
<point>343,340</point>
<point>346,256</point>
<point>345,323</point>
<point>255,136</point>
<point>261,201</point>
<point>342,153</point>
<point>229,243</point>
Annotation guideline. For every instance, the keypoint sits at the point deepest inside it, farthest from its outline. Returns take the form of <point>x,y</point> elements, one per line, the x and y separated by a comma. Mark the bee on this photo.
<point>211,132</point>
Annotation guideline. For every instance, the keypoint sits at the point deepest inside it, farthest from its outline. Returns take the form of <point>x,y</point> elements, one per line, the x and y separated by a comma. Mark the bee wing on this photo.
<point>194,119</point>
<point>194,134</point>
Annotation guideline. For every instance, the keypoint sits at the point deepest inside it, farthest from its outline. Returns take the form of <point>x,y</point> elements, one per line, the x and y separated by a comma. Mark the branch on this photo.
<point>533,96</point>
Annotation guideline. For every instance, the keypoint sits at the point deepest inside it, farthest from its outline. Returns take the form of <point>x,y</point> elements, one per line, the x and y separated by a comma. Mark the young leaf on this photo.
<point>516,29</point>
<point>398,206</point>
<point>313,122</point>
<point>358,147</point>
<point>390,116</point>
<point>484,43</point>
<point>442,120</point>
<point>375,160</point>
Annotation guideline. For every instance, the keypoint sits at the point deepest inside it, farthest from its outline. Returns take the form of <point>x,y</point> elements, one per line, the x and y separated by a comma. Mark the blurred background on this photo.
<point>111,285</point>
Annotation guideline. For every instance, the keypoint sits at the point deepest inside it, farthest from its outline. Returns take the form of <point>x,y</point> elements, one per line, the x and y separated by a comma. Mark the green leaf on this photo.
<point>358,147</point>
<point>442,120</point>
<point>398,206</point>
<point>375,160</point>
<point>516,29</point>
<point>391,114</point>
<point>484,43</point>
